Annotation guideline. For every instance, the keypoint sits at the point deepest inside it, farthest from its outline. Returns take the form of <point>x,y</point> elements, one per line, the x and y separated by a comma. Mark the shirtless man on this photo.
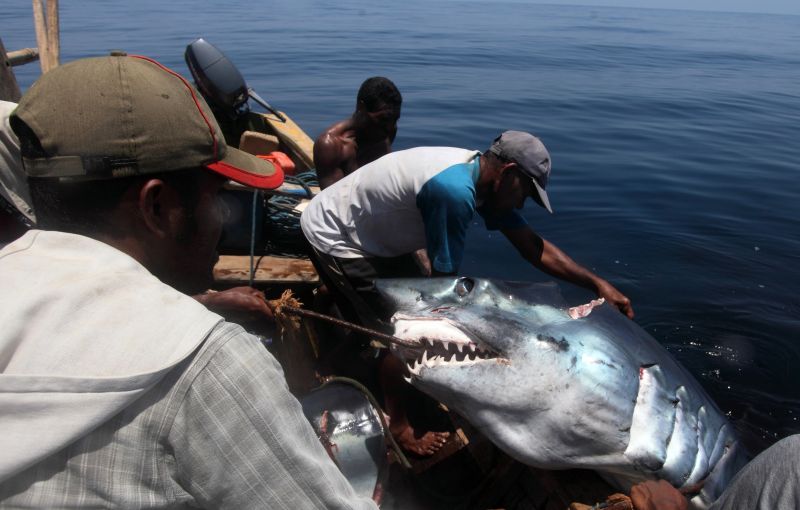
<point>364,137</point>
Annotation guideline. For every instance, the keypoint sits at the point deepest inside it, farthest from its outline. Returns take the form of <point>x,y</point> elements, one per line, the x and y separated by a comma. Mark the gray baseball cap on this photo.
<point>530,155</point>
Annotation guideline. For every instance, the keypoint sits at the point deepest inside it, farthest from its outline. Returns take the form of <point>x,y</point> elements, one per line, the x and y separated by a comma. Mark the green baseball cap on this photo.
<point>117,116</point>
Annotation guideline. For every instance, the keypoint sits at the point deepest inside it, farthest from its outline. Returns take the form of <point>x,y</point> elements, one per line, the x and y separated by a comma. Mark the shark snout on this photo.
<point>439,343</point>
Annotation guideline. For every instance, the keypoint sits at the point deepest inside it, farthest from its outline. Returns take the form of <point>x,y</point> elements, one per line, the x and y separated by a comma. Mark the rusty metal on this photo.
<point>387,339</point>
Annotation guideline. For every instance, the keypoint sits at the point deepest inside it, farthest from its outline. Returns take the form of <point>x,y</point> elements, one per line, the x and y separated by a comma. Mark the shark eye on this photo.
<point>464,286</point>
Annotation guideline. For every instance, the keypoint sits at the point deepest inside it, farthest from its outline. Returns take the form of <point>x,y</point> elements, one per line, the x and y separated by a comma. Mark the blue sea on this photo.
<point>675,138</point>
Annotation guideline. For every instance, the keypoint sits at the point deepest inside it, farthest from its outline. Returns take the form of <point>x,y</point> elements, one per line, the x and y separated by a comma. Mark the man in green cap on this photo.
<point>116,388</point>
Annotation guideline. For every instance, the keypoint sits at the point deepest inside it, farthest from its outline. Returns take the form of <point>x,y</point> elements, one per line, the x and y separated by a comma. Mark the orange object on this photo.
<point>281,160</point>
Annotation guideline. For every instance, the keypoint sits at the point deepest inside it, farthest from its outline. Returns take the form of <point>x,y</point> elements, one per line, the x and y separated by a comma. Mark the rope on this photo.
<point>253,237</point>
<point>284,236</point>
<point>383,337</point>
<point>287,305</point>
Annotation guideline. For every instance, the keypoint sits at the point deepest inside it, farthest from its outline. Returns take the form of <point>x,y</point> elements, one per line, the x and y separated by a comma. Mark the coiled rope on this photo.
<point>282,225</point>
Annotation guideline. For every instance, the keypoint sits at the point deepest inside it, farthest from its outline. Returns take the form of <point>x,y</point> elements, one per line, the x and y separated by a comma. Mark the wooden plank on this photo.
<point>232,269</point>
<point>294,137</point>
<point>454,443</point>
<point>9,88</point>
<point>23,56</point>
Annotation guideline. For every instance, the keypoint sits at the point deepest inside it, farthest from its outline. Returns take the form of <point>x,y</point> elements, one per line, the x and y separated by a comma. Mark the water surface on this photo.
<point>674,137</point>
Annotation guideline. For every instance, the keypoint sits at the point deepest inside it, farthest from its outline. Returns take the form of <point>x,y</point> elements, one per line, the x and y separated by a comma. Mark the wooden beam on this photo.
<point>9,88</point>
<point>47,33</point>
<point>40,24</point>
<point>23,56</point>
<point>294,137</point>
<point>53,33</point>
<point>235,269</point>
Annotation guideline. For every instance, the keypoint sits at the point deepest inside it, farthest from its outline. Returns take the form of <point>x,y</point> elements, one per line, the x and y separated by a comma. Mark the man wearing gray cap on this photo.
<point>116,388</point>
<point>369,224</point>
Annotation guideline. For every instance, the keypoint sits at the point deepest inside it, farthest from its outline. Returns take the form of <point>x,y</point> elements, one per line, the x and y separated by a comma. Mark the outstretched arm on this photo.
<point>236,304</point>
<point>547,257</point>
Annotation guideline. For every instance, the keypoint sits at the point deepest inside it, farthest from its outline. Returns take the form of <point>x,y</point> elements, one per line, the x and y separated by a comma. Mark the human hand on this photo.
<point>615,297</point>
<point>657,495</point>
<point>245,301</point>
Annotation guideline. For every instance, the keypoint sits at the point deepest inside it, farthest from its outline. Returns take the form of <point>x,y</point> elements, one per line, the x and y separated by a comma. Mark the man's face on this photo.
<point>511,190</point>
<point>194,245</point>
<point>383,121</point>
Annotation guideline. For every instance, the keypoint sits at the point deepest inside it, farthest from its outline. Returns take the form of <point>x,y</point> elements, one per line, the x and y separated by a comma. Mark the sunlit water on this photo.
<point>674,137</point>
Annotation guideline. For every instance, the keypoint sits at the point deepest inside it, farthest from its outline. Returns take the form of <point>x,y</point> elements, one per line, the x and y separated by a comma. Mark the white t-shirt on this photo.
<point>373,212</point>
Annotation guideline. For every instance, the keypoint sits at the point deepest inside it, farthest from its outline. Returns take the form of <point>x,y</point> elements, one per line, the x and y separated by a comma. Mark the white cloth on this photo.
<point>13,186</point>
<point>67,361</point>
<point>373,211</point>
<point>220,431</point>
<point>771,481</point>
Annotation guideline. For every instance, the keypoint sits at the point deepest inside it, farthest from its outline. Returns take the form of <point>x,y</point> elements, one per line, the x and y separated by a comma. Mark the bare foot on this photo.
<point>424,446</point>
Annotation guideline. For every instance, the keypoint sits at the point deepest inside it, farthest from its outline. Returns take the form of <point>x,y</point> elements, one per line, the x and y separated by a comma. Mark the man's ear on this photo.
<point>153,207</point>
<point>506,166</point>
<point>503,167</point>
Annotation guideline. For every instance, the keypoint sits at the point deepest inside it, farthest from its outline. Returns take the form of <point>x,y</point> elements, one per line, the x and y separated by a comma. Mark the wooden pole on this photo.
<point>47,33</point>
<point>9,89</point>
<point>53,36</point>
<point>23,56</point>
<point>41,35</point>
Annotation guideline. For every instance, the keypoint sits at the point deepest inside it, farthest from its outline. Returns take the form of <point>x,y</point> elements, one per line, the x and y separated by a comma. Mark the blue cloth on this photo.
<point>447,203</point>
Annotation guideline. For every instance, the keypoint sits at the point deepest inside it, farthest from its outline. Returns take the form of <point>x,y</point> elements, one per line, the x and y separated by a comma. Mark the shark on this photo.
<point>559,387</point>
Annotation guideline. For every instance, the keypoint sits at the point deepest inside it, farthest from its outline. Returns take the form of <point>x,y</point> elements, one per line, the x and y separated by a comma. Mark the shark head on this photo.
<point>558,387</point>
<point>473,341</point>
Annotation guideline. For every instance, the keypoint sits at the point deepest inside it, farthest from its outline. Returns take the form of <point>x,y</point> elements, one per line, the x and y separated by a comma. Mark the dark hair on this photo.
<point>378,91</point>
<point>83,206</point>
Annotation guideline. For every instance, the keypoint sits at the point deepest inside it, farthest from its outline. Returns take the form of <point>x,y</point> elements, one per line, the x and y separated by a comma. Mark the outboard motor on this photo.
<point>220,82</point>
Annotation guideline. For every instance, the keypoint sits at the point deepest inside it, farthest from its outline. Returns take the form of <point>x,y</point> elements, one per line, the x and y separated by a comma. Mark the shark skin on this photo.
<point>556,392</point>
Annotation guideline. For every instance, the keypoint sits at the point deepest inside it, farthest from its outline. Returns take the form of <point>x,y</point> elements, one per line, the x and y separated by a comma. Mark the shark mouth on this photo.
<point>439,343</point>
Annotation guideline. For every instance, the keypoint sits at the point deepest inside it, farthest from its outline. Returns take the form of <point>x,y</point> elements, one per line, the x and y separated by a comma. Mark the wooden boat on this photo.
<point>468,472</point>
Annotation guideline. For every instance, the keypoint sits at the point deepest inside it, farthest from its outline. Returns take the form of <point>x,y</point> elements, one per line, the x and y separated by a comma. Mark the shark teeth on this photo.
<point>428,361</point>
<point>439,343</point>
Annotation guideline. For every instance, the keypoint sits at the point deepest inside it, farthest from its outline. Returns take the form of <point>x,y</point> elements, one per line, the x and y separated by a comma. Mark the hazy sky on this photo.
<point>765,6</point>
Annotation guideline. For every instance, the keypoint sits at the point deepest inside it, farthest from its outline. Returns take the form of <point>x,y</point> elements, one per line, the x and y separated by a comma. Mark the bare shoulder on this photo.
<point>328,149</point>
<point>333,142</point>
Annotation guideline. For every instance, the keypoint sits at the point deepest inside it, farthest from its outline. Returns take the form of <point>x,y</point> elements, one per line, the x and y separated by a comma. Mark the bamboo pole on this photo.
<point>41,35</point>
<point>23,56</point>
<point>47,33</point>
<point>53,36</point>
